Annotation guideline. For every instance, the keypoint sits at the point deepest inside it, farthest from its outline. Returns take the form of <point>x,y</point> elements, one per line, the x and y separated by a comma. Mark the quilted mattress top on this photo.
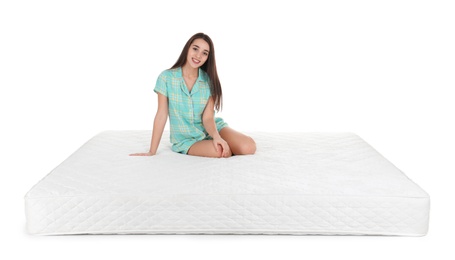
<point>310,164</point>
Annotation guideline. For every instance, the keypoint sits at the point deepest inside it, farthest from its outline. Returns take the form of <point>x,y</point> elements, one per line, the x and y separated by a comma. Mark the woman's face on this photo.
<point>198,53</point>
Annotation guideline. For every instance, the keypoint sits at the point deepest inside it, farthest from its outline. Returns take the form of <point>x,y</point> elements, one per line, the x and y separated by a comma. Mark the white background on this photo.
<point>381,69</point>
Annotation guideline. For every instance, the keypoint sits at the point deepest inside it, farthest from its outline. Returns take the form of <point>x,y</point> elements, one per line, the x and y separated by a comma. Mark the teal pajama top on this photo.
<point>186,108</point>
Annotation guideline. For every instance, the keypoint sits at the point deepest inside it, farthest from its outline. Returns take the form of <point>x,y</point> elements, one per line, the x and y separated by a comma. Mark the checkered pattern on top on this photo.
<point>185,108</point>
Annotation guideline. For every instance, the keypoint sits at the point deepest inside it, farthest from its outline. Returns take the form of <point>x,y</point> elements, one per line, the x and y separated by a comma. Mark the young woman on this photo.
<point>189,93</point>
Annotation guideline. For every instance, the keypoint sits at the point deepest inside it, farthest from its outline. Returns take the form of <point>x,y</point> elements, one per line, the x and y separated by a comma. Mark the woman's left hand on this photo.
<point>221,147</point>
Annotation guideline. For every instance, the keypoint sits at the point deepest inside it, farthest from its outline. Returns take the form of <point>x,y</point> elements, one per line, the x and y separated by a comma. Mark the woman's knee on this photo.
<point>247,147</point>
<point>205,148</point>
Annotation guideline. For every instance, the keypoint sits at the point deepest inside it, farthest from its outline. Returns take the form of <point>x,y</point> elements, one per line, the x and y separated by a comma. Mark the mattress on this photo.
<point>296,183</point>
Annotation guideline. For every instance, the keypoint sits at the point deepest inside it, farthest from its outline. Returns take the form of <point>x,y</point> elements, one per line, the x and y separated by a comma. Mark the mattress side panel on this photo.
<point>201,214</point>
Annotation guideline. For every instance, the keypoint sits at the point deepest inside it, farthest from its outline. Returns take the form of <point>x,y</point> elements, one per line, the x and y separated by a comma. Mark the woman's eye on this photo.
<point>195,48</point>
<point>205,53</point>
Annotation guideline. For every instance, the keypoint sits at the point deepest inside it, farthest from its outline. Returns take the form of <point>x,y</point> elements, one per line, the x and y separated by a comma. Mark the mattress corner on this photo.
<point>353,134</point>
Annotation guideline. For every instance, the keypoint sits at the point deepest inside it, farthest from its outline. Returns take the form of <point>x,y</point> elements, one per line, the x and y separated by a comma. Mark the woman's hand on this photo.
<point>142,154</point>
<point>221,147</point>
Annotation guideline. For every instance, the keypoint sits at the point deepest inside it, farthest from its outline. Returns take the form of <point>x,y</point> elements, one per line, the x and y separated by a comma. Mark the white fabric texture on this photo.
<point>296,183</point>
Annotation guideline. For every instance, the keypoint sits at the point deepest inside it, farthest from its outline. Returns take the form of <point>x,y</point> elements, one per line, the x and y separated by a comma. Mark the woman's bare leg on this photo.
<point>205,148</point>
<point>239,143</point>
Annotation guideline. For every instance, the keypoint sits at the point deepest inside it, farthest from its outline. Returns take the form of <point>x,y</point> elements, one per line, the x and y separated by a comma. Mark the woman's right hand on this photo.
<point>142,154</point>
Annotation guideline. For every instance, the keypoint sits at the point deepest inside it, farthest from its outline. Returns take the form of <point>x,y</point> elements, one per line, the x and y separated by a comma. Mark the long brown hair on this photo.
<point>209,67</point>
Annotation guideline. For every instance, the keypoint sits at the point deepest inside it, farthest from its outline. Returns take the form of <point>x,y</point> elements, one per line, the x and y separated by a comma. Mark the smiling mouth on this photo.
<point>196,61</point>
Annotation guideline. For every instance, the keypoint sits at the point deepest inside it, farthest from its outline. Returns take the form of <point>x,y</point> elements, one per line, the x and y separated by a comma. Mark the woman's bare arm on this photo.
<point>208,120</point>
<point>158,126</point>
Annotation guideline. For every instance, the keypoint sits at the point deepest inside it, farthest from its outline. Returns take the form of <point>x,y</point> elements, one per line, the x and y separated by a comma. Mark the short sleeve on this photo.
<point>161,86</point>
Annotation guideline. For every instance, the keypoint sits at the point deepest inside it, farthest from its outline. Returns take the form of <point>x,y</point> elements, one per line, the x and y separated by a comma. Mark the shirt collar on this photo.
<point>200,76</point>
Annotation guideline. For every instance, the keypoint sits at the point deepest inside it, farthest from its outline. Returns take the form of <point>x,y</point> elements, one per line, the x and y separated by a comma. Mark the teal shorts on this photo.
<point>185,145</point>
